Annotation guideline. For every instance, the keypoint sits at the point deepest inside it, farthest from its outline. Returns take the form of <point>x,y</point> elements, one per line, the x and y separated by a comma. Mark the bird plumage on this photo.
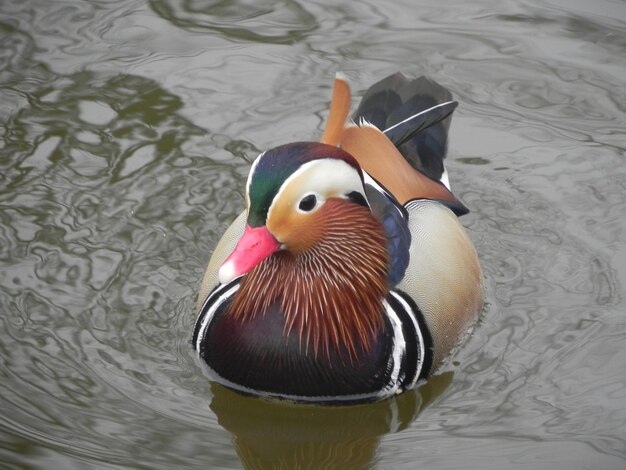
<point>348,277</point>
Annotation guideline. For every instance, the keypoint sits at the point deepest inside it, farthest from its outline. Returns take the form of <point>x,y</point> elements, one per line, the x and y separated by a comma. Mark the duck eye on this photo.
<point>307,203</point>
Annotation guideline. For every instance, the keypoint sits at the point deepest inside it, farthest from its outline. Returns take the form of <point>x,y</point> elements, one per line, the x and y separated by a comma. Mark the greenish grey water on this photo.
<point>127,128</point>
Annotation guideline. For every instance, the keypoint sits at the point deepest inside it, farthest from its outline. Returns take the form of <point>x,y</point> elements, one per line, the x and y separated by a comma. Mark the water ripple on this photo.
<point>87,183</point>
<point>267,21</point>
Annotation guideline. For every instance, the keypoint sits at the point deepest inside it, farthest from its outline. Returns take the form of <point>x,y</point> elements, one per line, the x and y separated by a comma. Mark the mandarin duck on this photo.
<point>348,277</point>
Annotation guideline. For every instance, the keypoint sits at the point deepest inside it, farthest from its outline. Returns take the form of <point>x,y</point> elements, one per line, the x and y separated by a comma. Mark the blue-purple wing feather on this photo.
<point>394,219</point>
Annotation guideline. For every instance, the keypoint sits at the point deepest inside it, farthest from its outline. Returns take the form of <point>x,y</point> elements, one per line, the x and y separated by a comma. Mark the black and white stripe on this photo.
<point>408,364</point>
<point>218,297</point>
<point>419,347</point>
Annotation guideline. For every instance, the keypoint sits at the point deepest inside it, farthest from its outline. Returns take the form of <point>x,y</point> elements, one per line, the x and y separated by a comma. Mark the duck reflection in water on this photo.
<point>280,435</point>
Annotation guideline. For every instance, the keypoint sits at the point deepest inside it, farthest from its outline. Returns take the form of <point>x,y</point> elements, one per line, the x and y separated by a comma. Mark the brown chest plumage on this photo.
<point>331,294</point>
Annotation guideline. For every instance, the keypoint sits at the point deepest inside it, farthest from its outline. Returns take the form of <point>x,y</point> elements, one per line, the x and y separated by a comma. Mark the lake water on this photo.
<point>127,129</point>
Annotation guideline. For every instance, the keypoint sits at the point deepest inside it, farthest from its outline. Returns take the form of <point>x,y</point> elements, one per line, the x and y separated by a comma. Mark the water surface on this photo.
<point>127,129</point>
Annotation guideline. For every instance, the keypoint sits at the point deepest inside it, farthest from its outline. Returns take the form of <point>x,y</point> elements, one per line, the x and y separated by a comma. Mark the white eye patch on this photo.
<point>316,181</point>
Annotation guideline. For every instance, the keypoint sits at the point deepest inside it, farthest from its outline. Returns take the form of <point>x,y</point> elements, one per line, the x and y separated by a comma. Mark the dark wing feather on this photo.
<point>426,147</point>
<point>422,140</point>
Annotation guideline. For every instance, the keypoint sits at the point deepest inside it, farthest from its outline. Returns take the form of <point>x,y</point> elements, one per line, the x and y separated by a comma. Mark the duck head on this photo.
<point>312,247</point>
<point>286,194</point>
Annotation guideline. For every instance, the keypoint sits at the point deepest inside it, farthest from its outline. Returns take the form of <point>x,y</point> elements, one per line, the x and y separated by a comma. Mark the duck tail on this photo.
<point>415,115</point>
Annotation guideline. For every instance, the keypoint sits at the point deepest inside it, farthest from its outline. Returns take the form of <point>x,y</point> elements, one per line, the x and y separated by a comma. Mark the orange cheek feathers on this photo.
<point>298,232</point>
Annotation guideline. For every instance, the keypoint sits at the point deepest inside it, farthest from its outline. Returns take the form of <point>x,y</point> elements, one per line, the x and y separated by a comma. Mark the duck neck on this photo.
<point>330,294</point>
